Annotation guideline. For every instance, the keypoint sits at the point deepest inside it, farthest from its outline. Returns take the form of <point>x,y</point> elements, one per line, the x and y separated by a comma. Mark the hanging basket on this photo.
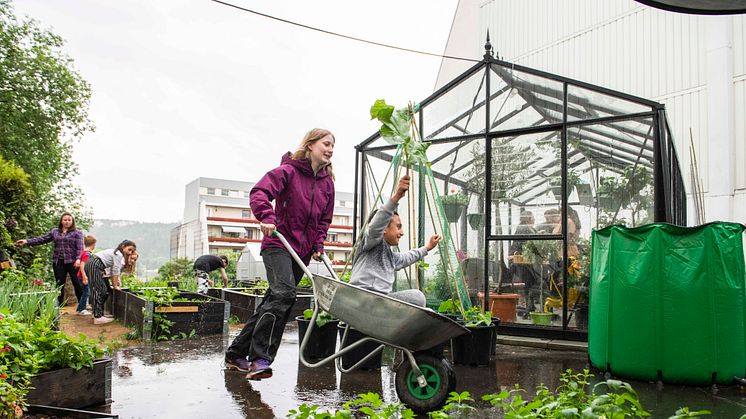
<point>453,211</point>
<point>476,221</point>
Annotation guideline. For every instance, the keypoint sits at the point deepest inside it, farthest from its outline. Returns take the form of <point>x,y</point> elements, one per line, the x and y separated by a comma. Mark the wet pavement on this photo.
<point>185,379</point>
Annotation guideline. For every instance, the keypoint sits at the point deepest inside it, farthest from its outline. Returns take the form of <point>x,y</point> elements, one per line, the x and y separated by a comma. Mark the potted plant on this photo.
<point>476,220</point>
<point>476,347</point>
<point>454,204</point>
<point>323,339</point>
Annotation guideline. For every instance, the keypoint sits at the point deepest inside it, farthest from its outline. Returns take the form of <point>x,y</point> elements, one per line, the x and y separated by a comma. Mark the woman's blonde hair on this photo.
<point>311,137</point>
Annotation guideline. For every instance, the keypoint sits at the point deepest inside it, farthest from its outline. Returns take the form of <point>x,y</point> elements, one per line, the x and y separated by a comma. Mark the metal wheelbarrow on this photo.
<point>423,381</point>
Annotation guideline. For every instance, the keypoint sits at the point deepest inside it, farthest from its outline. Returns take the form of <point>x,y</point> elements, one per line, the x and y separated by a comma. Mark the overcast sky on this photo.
<point>190,88</point>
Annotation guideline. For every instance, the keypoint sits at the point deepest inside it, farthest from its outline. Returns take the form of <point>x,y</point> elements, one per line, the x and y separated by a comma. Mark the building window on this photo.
<point>245,213</point>
<point>224,192</point>
<point>332,237</point>
<point>342,203</point>
<point>211,191</point>
<point>245,194</point>
<point>330,255</point>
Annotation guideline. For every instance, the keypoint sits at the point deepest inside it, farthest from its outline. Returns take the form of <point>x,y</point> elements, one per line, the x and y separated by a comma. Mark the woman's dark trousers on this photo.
<point>261,336</point>
<point>61,271</point>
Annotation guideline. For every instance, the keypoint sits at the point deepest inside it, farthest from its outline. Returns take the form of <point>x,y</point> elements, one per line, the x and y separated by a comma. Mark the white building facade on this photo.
<point>217,219</point>
<point>694,65</point>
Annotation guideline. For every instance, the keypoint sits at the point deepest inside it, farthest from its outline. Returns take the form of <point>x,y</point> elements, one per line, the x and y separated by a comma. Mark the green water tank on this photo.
<point>669,302</point>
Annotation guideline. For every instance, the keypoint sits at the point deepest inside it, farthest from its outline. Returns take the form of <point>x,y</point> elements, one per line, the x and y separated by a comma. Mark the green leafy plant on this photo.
<point>475,317</point>
<point>368,405</point>
<point>397,128</point>
<point>29,349</point>
<point>450,306</point>
<point>305,282</point>
<point>456,198</point>
<point>457,405</point>
<point>321,319</point>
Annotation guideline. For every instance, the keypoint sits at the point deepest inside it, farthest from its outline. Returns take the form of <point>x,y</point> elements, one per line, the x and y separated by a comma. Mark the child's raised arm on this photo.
<point>401,190</point>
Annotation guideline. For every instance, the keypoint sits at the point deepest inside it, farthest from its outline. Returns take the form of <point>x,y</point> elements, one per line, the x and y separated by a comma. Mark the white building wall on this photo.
<point>695,65</point>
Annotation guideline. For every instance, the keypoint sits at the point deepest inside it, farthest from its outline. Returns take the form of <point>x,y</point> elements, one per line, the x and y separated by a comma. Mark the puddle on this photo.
<point>184,378</point>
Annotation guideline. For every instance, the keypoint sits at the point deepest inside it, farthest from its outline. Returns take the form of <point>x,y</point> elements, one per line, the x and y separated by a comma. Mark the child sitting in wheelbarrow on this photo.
<point>375,263</point>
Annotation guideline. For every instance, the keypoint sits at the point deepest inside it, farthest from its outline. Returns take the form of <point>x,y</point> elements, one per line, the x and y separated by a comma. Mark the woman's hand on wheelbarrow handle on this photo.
<point>267,229</point>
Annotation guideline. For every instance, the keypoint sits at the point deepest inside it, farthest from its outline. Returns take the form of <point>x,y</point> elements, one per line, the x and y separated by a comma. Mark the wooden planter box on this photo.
<point>208,316</point>
<point>73,389</point>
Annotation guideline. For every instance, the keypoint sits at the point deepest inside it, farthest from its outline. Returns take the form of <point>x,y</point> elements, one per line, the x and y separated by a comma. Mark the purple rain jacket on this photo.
<point>304,205</point>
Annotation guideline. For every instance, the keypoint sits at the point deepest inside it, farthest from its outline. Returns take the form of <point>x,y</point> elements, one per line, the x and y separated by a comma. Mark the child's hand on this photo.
<point>434,240</point>
<point>401,189</point>
<point>84,280</point>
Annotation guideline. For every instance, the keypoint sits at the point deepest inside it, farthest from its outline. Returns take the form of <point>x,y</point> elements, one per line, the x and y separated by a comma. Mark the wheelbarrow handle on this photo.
<point>294,255</point>
<point>328,264</point>
<point>297,259</point>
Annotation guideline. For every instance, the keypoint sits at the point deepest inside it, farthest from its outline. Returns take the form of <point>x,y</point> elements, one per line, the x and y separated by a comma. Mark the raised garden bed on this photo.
<point>203,314</point>
<point>73,389</point>
<point>244,301</point>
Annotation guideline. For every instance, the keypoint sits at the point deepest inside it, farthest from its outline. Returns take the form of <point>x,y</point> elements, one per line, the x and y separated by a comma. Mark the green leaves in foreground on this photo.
<point>397,128</point>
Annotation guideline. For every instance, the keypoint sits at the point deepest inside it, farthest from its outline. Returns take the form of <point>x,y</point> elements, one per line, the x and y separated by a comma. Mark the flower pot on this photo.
<point>453,211</point>
<point>353,357</point>
<point>542,319</point>
<point>475,221</point>
<point>323,340</point>
<point>503,306</point>
<point>581,316</point>
<point>476,347</point>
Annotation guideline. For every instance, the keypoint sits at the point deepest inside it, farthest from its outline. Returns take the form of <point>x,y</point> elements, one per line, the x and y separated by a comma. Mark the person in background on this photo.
<point>95,269</point>
<point>90,245</point>
<point>552,219</point>
<point>130,263</point>
<point>205,264</point>
<point>523,271</point>
<point>302,189</point>
<point>68,245</point>
<point>375,263</point>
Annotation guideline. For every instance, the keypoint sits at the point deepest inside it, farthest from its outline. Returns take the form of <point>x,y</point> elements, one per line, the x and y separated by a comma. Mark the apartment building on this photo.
<point>217,218</point>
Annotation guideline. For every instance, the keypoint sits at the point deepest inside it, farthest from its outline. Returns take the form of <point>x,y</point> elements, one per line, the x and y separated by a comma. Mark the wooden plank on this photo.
<point>182,309</point>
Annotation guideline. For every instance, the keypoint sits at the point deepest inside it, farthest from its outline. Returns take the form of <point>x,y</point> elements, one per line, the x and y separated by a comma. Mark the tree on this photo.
<point>43,110</point>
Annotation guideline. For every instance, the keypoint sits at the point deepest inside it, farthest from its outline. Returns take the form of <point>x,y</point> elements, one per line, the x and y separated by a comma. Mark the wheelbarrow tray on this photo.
<point>389,320</point>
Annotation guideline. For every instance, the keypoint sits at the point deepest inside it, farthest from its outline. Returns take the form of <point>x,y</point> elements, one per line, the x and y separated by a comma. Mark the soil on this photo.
<point>108,334</point>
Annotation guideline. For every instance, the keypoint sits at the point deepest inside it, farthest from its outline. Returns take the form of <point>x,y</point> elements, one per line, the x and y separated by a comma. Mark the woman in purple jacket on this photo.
<point>303,190</point>
<point>68,245</point>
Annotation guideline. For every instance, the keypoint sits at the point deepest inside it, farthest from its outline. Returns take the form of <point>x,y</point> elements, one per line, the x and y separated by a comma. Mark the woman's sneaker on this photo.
<point>83,312</point>
<point>102,320</point>
<point>259,370</point>
<point>238,364</point>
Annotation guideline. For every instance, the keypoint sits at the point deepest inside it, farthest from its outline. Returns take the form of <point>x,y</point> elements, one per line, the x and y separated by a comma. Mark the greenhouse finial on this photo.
<point>488,46</point>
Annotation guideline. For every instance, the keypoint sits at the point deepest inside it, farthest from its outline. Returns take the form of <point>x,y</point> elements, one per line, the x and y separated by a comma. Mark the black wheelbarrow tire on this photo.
<point>440,377</point>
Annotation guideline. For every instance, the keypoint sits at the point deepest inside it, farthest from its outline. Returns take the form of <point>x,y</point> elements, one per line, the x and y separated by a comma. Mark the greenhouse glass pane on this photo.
<point>589,104</point>
<point>525,99</point>
<point>621,172</point>
<point>460,111</point>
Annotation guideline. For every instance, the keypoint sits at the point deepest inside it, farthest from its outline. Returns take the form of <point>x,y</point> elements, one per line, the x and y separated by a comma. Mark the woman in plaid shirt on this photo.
<point>68,244</point>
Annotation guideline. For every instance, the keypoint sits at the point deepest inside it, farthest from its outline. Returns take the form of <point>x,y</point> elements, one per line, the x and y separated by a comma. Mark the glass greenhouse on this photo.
<point>547,159</point>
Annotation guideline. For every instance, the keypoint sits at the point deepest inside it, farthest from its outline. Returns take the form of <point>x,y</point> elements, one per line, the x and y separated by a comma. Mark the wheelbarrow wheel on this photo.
<point>441,380</point>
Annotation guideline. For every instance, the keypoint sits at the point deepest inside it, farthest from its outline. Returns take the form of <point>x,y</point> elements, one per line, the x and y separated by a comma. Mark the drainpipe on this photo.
<point>721,149</point>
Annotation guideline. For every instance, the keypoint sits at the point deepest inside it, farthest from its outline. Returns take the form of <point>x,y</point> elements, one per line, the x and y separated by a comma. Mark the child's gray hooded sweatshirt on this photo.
<point>375,263</point>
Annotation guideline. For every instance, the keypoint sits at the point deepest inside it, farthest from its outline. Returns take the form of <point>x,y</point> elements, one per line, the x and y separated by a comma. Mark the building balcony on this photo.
<point>247,240</point>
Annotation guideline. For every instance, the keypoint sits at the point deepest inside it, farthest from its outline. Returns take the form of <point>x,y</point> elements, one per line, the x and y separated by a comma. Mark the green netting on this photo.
<point>669,302</point>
